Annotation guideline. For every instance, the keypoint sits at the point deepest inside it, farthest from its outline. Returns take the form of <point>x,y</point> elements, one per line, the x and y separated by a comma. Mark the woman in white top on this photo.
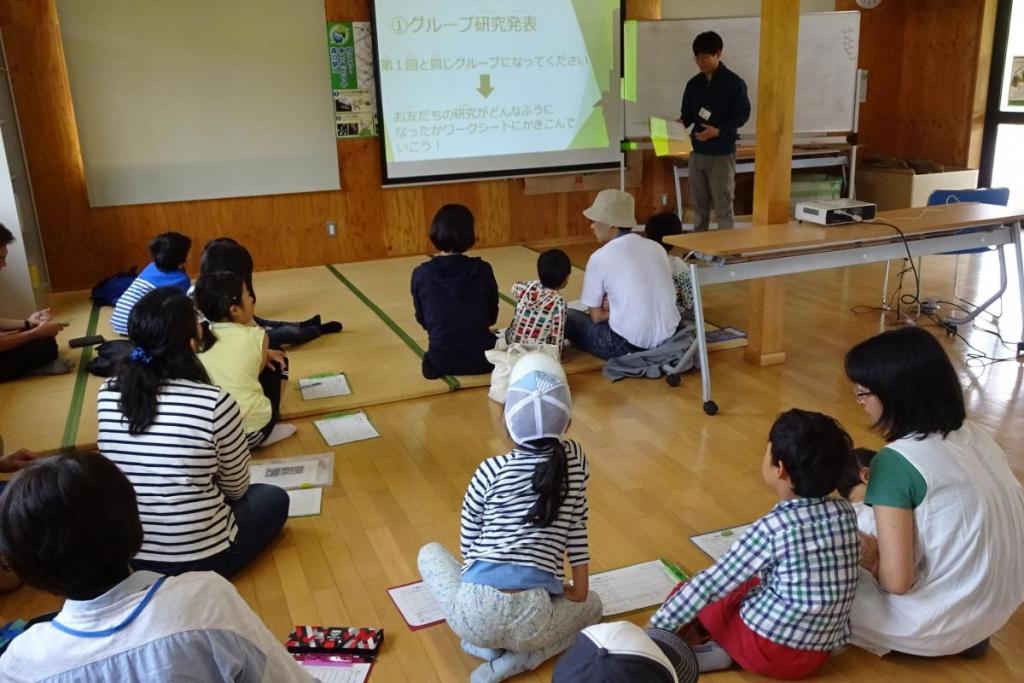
<point>946,569</point>
<point>181,443</point>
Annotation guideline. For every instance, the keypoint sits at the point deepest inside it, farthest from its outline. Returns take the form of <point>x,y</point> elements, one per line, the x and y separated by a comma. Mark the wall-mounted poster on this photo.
<point>352,78</point>
<point>1015,98</point>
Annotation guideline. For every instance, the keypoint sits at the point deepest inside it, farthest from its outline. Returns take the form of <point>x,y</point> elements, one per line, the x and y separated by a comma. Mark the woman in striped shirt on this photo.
<point>523,514</point>
<point>181,443</point>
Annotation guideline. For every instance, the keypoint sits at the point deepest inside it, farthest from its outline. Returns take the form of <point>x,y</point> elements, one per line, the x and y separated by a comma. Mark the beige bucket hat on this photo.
<point>613,207</point>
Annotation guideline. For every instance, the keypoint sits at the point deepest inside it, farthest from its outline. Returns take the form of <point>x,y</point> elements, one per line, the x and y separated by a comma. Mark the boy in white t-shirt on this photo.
<point>854,486</point>
<point>627,286</point>
<point>658,228</point>
<point>69,525</point>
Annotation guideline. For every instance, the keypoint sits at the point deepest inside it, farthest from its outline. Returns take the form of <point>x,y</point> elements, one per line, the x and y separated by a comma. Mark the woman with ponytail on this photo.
<point>523,514</point>
<point>181,443</point>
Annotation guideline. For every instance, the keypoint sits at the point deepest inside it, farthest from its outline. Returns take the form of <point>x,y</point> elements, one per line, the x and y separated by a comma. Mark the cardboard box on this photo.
<point>901,188</point>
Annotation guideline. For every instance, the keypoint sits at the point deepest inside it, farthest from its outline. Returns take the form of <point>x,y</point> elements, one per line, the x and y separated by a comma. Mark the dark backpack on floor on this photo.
<point>108,355</point>
<point>108,291</point>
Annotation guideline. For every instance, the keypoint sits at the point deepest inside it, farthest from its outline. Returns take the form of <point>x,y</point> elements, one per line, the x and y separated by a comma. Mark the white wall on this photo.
<point>17,297</point>
<point>200,99</point>
<point>691,9</point>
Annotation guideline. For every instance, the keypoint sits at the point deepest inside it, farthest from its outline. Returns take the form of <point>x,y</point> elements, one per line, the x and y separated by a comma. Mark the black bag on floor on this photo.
<point>108,355</point>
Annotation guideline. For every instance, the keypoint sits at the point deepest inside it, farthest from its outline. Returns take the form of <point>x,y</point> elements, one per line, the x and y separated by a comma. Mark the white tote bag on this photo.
<point>503,356</point>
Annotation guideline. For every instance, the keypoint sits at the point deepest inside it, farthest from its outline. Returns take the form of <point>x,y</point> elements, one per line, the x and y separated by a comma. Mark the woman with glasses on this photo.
<point>946,569</point>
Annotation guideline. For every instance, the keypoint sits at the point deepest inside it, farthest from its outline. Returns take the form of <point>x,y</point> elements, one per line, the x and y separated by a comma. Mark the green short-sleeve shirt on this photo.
<point>894,482</point>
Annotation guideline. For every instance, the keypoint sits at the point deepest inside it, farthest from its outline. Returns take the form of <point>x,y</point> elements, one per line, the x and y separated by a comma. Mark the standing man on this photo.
<point>715,103</point>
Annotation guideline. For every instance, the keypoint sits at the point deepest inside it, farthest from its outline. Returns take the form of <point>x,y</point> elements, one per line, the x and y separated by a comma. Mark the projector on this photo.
<point>834,211</point>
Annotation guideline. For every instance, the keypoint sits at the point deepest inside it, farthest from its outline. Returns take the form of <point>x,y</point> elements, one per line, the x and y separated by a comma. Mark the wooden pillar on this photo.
<point>643,9</point>
<point>776,95</point>
<point>986,35</point>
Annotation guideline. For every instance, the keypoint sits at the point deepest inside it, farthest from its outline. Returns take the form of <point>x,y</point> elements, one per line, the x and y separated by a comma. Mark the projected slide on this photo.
<point>471,87</point>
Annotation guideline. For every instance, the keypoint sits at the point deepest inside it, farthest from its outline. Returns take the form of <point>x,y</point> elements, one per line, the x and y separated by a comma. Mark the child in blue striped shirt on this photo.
<point>523,514</point>
<point>778,602</point>
<point>169,251</point>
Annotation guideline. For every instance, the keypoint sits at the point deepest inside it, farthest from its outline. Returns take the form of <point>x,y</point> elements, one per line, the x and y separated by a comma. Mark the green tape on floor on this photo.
<point>452,383</point>
<point>78,395</point>
<point>506,298</point>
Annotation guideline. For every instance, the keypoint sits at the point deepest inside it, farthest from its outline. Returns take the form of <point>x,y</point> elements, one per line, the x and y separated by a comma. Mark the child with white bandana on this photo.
<point>523,514</point>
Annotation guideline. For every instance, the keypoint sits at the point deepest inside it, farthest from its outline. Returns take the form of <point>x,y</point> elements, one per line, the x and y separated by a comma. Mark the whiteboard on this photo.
<point>193,99</point>
<point>826,69</point>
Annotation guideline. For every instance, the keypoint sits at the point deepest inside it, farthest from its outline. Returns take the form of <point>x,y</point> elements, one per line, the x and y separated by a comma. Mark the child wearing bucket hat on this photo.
<point>524,512</point>
<point>627,286</point>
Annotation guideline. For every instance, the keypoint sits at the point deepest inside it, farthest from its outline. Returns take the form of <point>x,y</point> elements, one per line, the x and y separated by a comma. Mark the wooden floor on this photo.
<point>660,471</point>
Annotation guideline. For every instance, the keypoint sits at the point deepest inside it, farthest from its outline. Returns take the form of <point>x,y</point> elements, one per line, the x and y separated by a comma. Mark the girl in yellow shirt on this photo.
<point>236,353</point>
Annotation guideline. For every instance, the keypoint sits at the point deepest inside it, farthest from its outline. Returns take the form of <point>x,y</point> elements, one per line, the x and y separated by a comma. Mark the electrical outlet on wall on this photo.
<point>664,199</point>
<point>332,229</point>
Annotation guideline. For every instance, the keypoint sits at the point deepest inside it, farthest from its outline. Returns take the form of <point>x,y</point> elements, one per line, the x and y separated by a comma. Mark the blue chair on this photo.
<point>998,196</point>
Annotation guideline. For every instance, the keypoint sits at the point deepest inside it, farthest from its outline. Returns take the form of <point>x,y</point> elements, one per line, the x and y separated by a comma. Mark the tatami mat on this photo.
<point>378,364</point>
<point>379,349</point>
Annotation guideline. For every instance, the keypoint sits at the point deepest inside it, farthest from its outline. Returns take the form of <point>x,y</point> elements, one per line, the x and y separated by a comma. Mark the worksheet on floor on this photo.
<point>416,605</point>
<point>356,672</point>
<point>305,502</point>
<point>294,473</point>
<point>717,543</point>
<point>634,587</point>
<point>346,428</point>
<point>324,386</point>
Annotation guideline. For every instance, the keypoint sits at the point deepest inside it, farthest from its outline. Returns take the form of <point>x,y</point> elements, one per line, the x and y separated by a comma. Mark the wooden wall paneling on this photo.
<point>361,193</point>
<point>939,70</point>
<point>493,219</point>
<point>925,61</point>
<point>405,221</point>
<point>84,244</point>
<point>881,51</point>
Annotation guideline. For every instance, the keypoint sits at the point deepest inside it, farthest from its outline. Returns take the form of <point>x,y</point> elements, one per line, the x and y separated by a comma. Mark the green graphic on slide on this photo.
<point>594,132</point>
<point>597,28</point>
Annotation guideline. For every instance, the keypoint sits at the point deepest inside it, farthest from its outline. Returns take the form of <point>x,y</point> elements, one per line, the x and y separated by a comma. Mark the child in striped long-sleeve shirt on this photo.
<point>523,514</point>
<point>169,251</point>
<point>181,443</point>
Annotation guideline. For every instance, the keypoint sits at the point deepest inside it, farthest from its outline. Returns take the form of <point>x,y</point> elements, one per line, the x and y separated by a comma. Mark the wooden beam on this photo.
<point>776,96</point>
<point>643,9</point>
<point>986,31</point>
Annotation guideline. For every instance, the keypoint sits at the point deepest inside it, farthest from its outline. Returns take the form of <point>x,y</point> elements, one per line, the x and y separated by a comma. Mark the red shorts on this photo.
<point>754,653</point>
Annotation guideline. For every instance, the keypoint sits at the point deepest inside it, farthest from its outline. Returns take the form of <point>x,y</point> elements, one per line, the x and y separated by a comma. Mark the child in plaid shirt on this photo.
<point>778,602</point>
<point>540,309</point>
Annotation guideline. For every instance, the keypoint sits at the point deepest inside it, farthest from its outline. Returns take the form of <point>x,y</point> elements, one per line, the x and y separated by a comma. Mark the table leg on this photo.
<point>982,307</point>
<point>1020,279</point>
<point>710,407</point>
<point>679,194</point>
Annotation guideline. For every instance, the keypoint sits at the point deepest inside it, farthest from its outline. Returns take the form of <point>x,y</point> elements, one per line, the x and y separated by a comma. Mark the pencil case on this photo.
<point>364,642</point>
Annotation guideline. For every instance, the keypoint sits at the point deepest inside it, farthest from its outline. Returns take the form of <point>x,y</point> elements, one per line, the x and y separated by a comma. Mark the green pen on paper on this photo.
<point>674,570</point>
<point>322,375</point>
